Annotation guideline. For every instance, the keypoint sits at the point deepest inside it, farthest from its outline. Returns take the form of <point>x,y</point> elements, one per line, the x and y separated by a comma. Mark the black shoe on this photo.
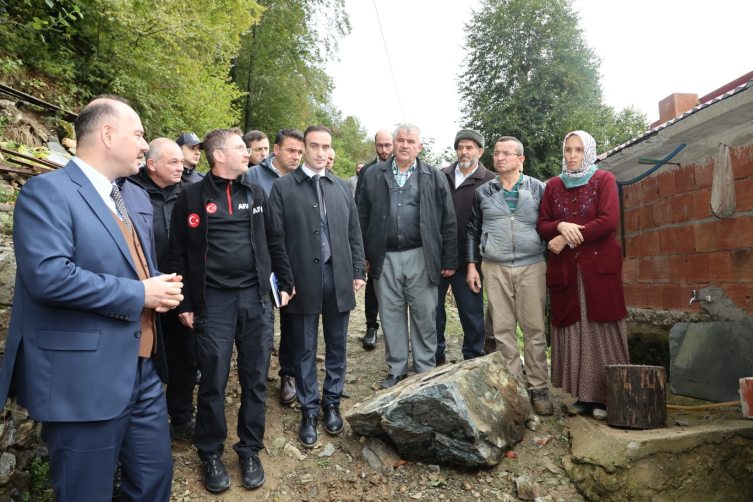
<point>369,341</point>
<point>287,389</point>
<point>117,483</point>
<point>440,360</point>
<point>392,380</point>
<point>184,431</point>
<point>307,434</point>
<point>253,472</point>
<point>216,479</point>
<point>333,422</point>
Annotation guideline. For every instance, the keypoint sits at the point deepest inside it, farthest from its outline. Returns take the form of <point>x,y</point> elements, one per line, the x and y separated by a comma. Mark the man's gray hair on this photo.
<point>518,147</point>
<point>156,147</point>
<point>409,129</point>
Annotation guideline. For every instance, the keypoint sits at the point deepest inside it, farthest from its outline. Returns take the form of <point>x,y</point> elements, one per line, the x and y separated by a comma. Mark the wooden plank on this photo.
<point>67,115</point>
<point>44,162</point>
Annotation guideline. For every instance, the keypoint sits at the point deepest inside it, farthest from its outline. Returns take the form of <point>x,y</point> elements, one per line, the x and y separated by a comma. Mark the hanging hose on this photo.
<point>704,407</point>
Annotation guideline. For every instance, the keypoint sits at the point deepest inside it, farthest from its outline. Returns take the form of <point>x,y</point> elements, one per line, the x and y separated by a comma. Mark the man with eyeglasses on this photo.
<point>162,177</point>
<point>284,159</point>
<point>383,142</point>
<point>505,212</point>
<point>224,240</point>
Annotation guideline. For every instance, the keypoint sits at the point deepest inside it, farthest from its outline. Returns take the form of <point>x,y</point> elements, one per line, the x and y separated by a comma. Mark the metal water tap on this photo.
<point>694,298</point>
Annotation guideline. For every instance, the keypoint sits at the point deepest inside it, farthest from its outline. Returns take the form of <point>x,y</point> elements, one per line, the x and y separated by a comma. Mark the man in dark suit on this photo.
<point>83,347</point>
<point>323,241</point>
<point>383,144</point>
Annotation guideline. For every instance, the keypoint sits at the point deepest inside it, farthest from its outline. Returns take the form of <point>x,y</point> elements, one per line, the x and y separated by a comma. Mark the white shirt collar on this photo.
<point>101,184</point>
<point>310,173</point>
<point>459,177</point>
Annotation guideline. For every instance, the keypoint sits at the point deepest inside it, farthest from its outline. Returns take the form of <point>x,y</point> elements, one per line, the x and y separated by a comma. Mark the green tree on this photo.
<point>531,75</point>
<point>349,139</point>
<point>281,62</point>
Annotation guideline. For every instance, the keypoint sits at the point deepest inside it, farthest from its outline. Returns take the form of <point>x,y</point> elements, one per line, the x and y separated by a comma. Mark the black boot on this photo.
<point>216,479</point>
<point>253,472</point>
<point>307,435</point>
<point>333,422</point>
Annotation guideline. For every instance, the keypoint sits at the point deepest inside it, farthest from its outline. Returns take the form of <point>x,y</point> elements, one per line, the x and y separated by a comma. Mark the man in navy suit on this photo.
<point>83,348</point>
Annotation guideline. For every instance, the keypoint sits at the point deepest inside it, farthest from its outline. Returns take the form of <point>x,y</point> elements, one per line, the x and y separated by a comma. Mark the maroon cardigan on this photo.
<point>596,206</point>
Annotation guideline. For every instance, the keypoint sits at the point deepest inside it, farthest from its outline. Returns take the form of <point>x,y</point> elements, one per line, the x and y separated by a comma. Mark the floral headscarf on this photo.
<point>589,155</point>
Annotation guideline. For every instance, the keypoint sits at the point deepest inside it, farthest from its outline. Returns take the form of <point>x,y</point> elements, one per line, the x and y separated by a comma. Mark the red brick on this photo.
<point>651,243</point>
<point>663,212</point>
<point>660,269</point>
<point>654,296</point>
<point>701,204</point>
<point>698,268</point>
<point>666,183</point>
<point>749,297</point>
<point>742,161</point>
<point>636,295</point>
<point>742,265</point>
<point>744,194</point>
<point>720,267</point>
<point>649,190</point>
<point>682,208</point>
<point>667,244</point>
<point>704,173</point>
<point>685,179</point>
<point>629,271</point>
<point>631,195</point>
<point>634,246</point>
<point>705,236</point>
<point>670,294</point>
<point>632,220</point>
<point>645,270</point>
<point>733,233</point>
<point>678,269</point>
<point>685,239</point>
<point>647,216</point>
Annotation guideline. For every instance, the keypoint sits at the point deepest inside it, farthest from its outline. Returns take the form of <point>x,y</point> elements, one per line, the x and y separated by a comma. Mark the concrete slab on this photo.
<point>710,461</point>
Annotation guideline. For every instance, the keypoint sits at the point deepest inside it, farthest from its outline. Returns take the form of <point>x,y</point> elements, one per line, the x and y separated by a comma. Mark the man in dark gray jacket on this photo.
<point>502,231</point>
<point>323,240</point>
<point>410,236</point>
<point>285,158</point>
<point>163,178</point>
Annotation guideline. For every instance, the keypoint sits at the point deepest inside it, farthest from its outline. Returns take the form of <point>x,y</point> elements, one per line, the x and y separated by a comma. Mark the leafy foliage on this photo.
<point>348,139</point>
<point>281,63</point>
<point>170,58</point>
<point>531,75</point>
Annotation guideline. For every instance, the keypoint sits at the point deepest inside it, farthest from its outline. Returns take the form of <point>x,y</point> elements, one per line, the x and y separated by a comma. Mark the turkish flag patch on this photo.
<point>193,220</point>
<point>211,208</point>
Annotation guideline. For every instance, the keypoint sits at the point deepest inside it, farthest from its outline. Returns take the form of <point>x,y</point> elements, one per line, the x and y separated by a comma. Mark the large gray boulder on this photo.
<point>466,414</point>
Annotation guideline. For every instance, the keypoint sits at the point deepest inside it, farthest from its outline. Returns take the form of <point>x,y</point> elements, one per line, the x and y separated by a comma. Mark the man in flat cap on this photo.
<point>463,177</point>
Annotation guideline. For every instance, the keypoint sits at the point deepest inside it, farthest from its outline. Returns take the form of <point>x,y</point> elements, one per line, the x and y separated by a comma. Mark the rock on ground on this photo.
<point>465,414</point>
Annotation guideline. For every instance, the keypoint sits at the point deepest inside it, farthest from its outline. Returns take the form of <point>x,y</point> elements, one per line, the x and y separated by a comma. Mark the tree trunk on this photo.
<point>636,396</point>
<point>249,115</point>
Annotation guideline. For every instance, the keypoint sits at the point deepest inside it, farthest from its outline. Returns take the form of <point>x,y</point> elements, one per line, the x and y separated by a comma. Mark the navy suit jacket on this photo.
<point>73,341</point>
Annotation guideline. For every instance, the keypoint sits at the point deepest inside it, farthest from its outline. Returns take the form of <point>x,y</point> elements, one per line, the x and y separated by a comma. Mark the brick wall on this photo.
<point>674,244</point>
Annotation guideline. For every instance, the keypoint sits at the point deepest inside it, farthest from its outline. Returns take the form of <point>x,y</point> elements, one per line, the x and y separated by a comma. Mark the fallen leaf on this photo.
<point>511,454</point>
<point>399,463</point>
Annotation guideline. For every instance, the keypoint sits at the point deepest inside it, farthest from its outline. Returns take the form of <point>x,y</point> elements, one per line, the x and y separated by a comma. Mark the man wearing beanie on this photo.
<point>463,177</point>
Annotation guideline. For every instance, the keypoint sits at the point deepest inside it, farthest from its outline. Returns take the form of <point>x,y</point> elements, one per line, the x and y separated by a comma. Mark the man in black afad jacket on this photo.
<point>225,242</point>
<point>163,177</point>
<point>323,239</point>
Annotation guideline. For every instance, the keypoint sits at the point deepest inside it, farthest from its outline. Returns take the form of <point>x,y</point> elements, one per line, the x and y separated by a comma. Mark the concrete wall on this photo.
<point>674,244</point>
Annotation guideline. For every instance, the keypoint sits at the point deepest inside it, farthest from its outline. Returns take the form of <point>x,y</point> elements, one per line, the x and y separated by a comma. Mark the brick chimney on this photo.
<point>675,105</point>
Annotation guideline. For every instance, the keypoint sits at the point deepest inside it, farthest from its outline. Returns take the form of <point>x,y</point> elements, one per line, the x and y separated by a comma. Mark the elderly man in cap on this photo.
<point>464,177</point>
<point>191,146</point>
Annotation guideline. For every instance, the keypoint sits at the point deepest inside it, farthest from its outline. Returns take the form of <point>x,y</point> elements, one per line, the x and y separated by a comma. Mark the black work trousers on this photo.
<point>371,304</point>
<point>180,351</point>
<point>233,316</point>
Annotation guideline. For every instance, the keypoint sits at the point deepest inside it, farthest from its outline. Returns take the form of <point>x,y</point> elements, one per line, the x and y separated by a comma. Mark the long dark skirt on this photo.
<point>581,352</point>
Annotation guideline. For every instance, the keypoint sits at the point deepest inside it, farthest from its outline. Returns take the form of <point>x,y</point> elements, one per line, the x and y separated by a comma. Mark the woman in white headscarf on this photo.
<point>578,216</point>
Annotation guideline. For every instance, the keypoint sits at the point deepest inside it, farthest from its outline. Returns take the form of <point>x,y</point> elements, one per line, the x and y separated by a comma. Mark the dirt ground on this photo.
<point>346,476</point>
